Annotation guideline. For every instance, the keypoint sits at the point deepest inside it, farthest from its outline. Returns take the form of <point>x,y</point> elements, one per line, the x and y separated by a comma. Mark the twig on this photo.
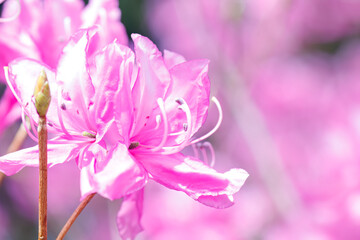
<point>42,132</point>
<point>15,145</point>
<point>73,217</point>
<point>42,101</point>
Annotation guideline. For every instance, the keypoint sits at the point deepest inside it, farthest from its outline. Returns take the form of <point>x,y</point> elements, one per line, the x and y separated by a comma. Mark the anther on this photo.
<point>180,101</point>
<point>133,145</point>
<point>87,134</point>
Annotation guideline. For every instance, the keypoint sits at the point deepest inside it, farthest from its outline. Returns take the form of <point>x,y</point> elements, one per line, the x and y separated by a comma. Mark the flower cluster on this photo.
<point>124,116</point>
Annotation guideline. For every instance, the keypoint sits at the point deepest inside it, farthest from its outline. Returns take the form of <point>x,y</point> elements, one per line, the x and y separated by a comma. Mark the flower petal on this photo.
<point>129,215</point>
<point>190,82</point>
<point>116,175</point>
<point>111,75</point>
<point>14,162</point>
<point>152,81</point>
<point>172,59</point>
<point>106,14</point>
<point>190,175</point>
<point>76,85</point>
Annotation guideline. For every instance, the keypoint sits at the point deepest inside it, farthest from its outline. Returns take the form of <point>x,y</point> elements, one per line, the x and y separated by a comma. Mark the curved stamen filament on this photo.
<point>212,153</point>
<point>33,127</point>
<point>14,16</point>
<point>214,99</point>
<point>161,104</point>
<point>203,153</point>
<point>25,123</point>
<point>196,151</point>
<point>185,108</point>
<point>158,121</point>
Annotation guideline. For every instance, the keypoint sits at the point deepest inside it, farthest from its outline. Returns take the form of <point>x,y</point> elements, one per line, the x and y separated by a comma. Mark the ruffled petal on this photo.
<point>172,59</point>
<point>152,82</point>
<point>59,19</point>
<point>200,182</point>
<point>74,80</point>
<point>111,75</point>
<point>129,215</point>
<point>114,176</point>
<point>191,83</point>
<point>14,162</point>
<point>106,14</point>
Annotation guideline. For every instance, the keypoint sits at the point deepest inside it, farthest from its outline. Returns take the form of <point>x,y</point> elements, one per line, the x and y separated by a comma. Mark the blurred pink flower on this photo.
<point>124,121</point>
<point>42,29</point>
<point>181,218</point>
<point>311,105</point>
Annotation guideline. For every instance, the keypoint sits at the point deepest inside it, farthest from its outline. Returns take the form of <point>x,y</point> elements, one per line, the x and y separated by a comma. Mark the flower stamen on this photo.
<point>87,134</point>
<point>133,145</point>
<point>25,123</point>
<point>161,104</point>
<point>158,121</point>
<point>185,108</point>
<point>214,99</point>
<point>203,147</point>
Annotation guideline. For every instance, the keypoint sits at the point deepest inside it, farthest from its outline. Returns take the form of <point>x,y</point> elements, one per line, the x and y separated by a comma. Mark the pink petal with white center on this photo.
<point>190,175</point>
<point>129,215</point>
<point>111,74</point>
<point>152,82</point>
<point>171,59</point>
<point>116,175</point>
<point>14,162</point>
<point>75,82</point>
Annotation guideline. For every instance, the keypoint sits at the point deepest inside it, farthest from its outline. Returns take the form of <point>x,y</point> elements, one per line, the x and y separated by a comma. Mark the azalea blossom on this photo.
<point>41,30</point>
<point>43,27</point>
<point>124,117</point>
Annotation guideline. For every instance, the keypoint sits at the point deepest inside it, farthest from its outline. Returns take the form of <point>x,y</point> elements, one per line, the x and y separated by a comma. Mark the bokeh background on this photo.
<point>287,73</point>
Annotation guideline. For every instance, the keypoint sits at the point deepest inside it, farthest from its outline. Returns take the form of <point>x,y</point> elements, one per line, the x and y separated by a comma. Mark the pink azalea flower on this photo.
<point>125,118</point>
<point>43,27</point>
<point>41,31</point>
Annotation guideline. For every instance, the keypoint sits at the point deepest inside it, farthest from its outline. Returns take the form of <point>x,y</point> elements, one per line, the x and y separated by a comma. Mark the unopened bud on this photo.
<point>42,94</point>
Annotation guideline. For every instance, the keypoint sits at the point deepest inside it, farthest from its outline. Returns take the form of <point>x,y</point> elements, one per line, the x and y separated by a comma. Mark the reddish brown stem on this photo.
<point>42,133</point>
<point>2,176</point>
<point>15,145</point>
<point>73,217</point>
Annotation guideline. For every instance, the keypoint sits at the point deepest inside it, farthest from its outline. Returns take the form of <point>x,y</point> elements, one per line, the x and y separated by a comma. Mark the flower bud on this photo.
<point>42,94</point>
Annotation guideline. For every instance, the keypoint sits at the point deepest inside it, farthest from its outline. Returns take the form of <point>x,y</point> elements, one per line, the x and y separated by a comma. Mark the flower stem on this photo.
<point>15,145</point>
<point>2,176</point>
<point>73,217</point>
<point>42,132</point>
